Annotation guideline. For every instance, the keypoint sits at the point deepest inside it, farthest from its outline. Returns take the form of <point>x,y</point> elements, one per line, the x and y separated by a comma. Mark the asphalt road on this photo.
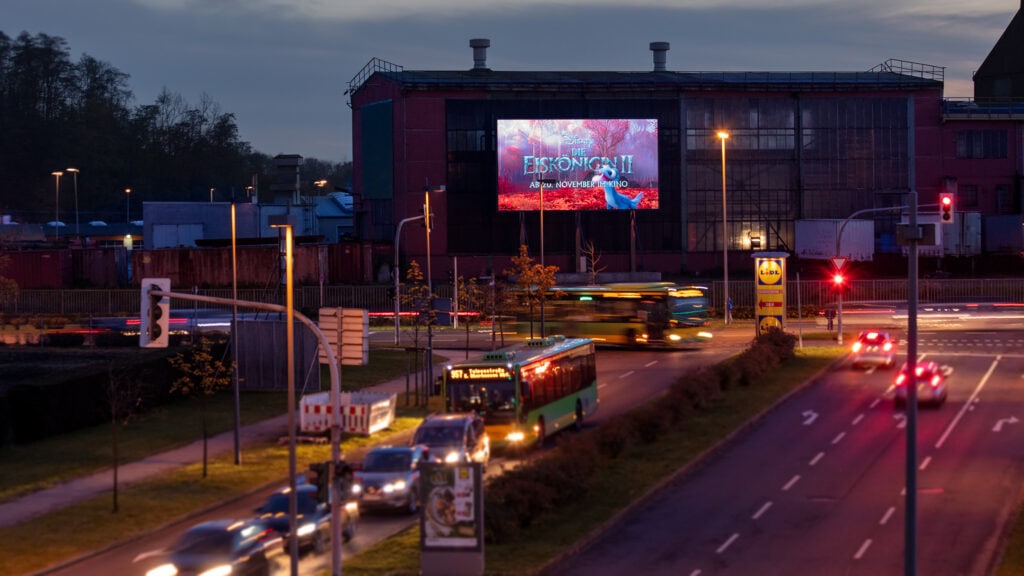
<point>817,487</point>
<point>628,378</point>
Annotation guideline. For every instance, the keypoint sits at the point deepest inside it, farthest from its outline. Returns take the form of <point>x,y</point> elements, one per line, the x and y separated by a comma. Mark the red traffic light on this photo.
<point>838,279</point>
<point>946,206</point>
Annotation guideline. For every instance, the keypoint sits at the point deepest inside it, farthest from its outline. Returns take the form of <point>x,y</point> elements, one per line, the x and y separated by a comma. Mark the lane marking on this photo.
<point>838,438</point>
<point>925,462</point>
<point>764,508</point>
<point>695,573</point>
<point>970,401</point>
<point>816,458</point>
<point>875,403</point>
<point>648,365</point>
<point>791,482</point>
<point>858,419</point>
<point>630,373</point>
<point>599,386</point>
<point>888,514</point>
<point>810,416</point>
<point>863,548</point>
<point>728,543</point>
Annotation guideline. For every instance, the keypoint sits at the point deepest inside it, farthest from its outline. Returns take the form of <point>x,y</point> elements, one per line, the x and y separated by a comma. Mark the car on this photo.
<point>220,547</point>
<point>389,478</point>
<point>313,520</point>
<point>452,438</point>
<point>931,384</point>
<point>873,348</point>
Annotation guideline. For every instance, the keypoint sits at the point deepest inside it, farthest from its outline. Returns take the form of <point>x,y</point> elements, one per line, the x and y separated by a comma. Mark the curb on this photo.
<point>597,534</point>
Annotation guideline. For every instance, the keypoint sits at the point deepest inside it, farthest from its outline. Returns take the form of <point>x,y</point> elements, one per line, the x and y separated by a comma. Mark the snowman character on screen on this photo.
<point>614,200</point>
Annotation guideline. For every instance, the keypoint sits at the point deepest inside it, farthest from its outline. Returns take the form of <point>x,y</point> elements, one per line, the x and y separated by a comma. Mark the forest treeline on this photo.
<point>57,113</point>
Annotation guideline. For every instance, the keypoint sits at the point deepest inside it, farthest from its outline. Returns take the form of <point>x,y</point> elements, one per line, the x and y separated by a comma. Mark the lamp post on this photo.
<point>287,222</point>
<point>56,217</point>
<point>428,219</point>
<point>127,205</point>
<point>234,331</point>
<point>211,195</point>
<point>78,231</point>
<point>542,182</point>
<point>723,136</point>
<point>397,275</point>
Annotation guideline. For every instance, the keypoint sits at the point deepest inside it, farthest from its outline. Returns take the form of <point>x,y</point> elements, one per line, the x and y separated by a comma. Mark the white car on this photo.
<point>873,348</point>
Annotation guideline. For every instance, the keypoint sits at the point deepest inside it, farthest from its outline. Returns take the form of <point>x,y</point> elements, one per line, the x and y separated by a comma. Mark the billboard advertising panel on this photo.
<point>595,164</point>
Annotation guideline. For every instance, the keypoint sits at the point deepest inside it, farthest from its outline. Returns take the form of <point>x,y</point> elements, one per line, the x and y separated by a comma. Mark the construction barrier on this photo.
<point>362,413</point>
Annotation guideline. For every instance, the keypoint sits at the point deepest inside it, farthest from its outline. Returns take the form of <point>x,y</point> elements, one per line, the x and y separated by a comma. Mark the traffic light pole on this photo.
<point>335,399</point>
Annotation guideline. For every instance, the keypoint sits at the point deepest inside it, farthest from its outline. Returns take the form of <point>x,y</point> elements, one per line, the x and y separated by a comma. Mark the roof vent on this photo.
<point>660,50</point>
<point>480,46</point>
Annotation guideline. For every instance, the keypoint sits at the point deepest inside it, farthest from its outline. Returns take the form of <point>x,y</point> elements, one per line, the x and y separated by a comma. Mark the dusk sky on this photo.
<point>282,66</point>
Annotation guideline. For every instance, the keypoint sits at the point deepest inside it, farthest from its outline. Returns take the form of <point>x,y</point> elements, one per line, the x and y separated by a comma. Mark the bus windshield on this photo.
<point>494,400</point>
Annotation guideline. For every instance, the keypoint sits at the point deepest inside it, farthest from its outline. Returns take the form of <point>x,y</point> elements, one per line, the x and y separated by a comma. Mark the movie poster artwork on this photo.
<point>595,164</point>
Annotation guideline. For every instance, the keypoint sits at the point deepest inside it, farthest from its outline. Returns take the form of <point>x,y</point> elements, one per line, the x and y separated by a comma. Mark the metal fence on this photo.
<point>813,293</point>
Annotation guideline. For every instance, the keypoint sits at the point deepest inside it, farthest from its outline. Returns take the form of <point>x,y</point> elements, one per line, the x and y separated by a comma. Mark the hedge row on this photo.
<point>516,499</point>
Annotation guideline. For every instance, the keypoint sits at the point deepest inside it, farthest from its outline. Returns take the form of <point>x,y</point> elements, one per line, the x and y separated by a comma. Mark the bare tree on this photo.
<point>124,399</point>
<point>472,297</point>
<point>416,295</point>
<point>533,280</point>
<point>593,259</point>
<point>202,377</point>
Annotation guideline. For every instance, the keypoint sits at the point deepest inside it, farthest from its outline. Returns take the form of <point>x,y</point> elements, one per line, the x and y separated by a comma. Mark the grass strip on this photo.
<point>90,525</point>
<point>618,483</point>
<point>38,465</point>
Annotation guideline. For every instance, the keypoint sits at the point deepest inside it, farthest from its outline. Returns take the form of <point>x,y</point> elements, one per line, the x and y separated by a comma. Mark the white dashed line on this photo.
<point>791,482</point>
<point>863,548</point>
<point>648,365</point>
<point>599,386</point>
<point>816,458</point>
<point>888,514</point>
<point>875,403</point>
<point>764,508</point>
<point>925,462</point>
<point>858,419</point>
<point>695,573</point>
<point>727,543</point>
<point>839,438</point>
<point>630,373</point>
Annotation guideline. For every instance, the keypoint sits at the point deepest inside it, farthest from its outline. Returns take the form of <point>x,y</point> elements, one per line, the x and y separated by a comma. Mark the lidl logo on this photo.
<point>769,272</point>
<point>768,322</point>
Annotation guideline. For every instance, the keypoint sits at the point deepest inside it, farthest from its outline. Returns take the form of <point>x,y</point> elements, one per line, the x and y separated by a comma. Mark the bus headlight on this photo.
<point>163,570</point>
<point>451,458</point>
<point>675,337</point>
<point>704,335</point>
<point>515,436</point>
<point>222,570</point>
<point>306,529</point>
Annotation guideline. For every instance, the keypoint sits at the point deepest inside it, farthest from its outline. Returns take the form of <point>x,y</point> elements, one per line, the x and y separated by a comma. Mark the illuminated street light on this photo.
<point>56,218</point>
<point>542,182</point>
<point>78,231</point>
<point>723,136</point>
<point>428,219</point>
<point>287,222</point>
<point>127,205</point>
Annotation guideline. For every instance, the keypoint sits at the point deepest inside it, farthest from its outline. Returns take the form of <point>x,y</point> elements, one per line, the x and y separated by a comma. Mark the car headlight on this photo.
<point>675,337</point>
<point>396,486</point>
<point>222,570</point>
<point>163,570</point>
<point>516,436</point>
<point>704,335</point>
<point>351,507</point>
<point>357,488</point>
<point>306,529</point>
<point>451,458</point>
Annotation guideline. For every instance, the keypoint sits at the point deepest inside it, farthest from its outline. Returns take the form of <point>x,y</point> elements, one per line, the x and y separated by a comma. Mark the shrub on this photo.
<point>702,387</point>
<point>650,421</point>
<point>728,375</point>
<point>613,437</point>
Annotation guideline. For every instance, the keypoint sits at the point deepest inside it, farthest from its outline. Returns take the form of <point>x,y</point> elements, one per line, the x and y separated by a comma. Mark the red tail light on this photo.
<point>900,379</point>
<point>936,380</point>
<point>887,347</point>
<point>856,346</point>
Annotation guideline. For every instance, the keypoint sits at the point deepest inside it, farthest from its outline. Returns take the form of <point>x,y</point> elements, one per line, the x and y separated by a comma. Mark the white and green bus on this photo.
<point>527,392</point>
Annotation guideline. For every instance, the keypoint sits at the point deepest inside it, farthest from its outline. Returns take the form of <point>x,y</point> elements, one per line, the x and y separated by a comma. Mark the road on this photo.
<point>628,378</point>
<point>817,487</point>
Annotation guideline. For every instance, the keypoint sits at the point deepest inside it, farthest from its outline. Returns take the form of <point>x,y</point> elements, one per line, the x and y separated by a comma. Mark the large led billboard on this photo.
<point>594,164</point>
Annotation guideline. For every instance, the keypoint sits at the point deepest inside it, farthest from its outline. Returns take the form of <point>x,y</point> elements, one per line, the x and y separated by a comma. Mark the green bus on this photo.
<point>527,392</point>
<point>647,314</point>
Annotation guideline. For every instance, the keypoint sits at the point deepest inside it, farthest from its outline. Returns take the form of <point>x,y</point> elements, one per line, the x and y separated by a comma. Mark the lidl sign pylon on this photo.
<point>769,291</point>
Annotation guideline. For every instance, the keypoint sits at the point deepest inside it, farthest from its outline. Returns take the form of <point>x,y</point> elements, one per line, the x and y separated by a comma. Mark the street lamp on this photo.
<point>234,333</point>
<point>321,184</point>
<point>428,219</point>
<point>78,231</point>
<point>127,205</point>
<point>56,218</point>
<point>542,182</point>
<point>287,222</point>
<point>211,195</point>
<point>723,136</point>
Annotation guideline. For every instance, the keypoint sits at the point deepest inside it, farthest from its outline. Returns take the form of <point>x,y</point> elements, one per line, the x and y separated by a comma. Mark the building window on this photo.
<point>968,195</point>
<point>981,144</point>
<point>1004,200</point>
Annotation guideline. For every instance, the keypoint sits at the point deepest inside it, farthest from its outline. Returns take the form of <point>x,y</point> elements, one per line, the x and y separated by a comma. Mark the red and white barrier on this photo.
<point>361,412</point>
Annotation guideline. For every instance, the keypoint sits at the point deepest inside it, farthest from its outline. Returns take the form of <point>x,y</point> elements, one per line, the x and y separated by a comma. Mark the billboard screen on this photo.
<point>593,164</point>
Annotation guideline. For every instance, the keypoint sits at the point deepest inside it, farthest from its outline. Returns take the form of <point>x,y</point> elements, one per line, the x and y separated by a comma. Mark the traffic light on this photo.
<point>838,282</point>
<point>155,316</point>
<point>946,205</point>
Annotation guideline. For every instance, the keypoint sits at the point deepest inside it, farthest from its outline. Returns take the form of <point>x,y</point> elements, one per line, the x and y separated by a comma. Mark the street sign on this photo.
<point>838,262</point>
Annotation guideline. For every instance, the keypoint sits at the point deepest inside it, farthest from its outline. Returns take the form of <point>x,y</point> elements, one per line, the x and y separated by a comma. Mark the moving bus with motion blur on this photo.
<point>526,392</point>
<point>648,314</point>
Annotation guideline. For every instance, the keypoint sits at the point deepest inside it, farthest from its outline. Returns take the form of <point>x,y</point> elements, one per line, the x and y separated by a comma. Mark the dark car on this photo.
<point>313,517</point>
<point>389,476</point>
<point>454,438</point>
<point>221,547</point>
<point>931,384</point>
